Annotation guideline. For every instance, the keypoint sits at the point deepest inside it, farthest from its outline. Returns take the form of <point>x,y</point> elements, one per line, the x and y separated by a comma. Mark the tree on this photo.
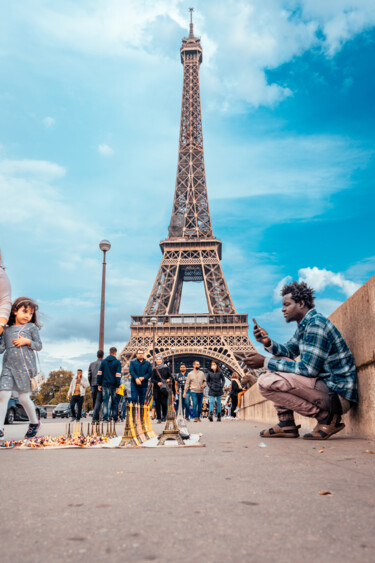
<point>55,389</point>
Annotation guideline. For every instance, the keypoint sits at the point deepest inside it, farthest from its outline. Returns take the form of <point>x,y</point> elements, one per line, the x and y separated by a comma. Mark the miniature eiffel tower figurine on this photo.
<point>181,422</point>
<point>128,438</point>
<point>170,431</point>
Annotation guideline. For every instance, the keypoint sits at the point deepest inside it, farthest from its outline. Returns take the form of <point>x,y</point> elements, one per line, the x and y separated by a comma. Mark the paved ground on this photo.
<point>232,500</point>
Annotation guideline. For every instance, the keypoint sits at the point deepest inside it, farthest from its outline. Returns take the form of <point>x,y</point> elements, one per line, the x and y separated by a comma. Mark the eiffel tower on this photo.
<point>190,254</point>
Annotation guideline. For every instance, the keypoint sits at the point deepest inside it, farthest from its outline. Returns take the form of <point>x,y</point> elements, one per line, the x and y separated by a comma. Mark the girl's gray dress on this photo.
<point>15,375</point>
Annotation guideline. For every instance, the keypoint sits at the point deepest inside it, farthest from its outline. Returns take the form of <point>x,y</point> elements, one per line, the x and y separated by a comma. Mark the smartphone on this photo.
<point>255,323</point>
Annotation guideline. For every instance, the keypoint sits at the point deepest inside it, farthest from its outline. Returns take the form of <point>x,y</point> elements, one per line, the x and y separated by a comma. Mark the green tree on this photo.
<point>55,389</point>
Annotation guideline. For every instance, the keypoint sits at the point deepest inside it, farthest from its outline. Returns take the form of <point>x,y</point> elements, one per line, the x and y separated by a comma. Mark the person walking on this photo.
<point>235,389</point>
<point>141,372</point>
<point>160,375</point>
<point>93,374</point>
<point>18,340</point>
<point>195,383</point>
<point>181,380</point>
<point>77,391</point>
<point>215,382</point>
<point>5,298</point>
<point>109,379</point>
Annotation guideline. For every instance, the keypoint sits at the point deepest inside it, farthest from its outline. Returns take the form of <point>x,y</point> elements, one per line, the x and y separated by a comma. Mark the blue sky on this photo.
<point>90,96</point>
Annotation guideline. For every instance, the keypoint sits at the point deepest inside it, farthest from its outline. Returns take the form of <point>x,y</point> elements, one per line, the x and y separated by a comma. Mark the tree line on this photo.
<point>55,389</point>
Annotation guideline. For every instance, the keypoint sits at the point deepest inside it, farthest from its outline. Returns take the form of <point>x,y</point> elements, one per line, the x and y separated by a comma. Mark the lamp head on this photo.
<point>105,245</point>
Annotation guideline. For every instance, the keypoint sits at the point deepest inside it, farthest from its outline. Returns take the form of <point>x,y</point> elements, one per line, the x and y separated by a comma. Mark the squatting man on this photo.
<point>321,384</point>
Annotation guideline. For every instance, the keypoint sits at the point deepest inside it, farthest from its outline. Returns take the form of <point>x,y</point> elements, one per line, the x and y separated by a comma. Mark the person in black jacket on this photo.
<point>140,371</point>
<point>215,381</point>
<point>161,374</point>
<point>109,379</point>
<point>93,374</point>
<point>235,388</point>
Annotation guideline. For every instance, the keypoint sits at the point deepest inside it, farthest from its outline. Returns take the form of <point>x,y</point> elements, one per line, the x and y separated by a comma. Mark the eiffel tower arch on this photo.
<point>191,253</point>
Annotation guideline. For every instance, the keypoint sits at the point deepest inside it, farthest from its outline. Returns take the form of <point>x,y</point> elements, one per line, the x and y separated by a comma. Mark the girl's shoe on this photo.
<point>32,431</point>
<point>210,417</point>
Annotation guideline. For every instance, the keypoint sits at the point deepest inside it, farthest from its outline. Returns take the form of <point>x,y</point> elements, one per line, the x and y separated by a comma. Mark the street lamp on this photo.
<point>154,320</point>
<point>173,350</point>
<point>104,246</point>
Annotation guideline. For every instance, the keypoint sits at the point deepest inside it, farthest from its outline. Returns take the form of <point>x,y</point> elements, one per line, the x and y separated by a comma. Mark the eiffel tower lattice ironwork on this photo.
<point>190,253</point>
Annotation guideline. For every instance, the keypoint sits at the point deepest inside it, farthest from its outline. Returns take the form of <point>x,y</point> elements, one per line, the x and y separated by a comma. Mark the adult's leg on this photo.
<point>218,405</point>
<point>142,395</point>
<point>212,404</point>
<point>73,402</point>
<point>194,400</point>
<point>290,393</point>
<point>106,398</point>
<point>98,404</point>
<point>79,408</point>
<point>157,405</point>
<point>135,395</point>
<point>94,393</point>
<point>200,403</point>
<point>234,405</point>
<point>164,406</point>
<point>187,405</point>
<point>4,400</point>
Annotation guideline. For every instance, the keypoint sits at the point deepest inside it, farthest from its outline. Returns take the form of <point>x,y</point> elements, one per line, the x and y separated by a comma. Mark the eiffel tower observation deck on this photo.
<point>191,253</point>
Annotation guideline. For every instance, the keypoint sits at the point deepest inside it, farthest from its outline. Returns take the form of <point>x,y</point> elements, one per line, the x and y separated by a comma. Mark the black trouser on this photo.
<point>234,399</point>
<point>161,404</point>
<point>94,393</point>
<point>76,400</point>
<point>97,406</point>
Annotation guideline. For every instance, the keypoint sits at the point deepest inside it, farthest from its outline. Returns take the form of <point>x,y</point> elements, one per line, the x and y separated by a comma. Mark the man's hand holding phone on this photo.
<point>261,335</point>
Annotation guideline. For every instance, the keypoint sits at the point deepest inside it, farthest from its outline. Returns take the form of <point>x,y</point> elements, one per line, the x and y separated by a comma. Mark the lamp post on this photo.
<point>153,322</point>
<point>173,350</point>
<point>104,246</point>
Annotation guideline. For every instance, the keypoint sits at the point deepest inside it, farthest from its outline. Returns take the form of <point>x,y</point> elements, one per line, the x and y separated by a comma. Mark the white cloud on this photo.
<point>320,279</point>
<point>49,122</point>
<point>105,150</point>
<point>38,168</point>
<point>315,165</point>
<point>241,40</point>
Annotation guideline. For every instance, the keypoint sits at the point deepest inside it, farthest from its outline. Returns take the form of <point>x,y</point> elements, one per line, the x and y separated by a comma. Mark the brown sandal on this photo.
<point>325,431</point>
<point>281,432</point>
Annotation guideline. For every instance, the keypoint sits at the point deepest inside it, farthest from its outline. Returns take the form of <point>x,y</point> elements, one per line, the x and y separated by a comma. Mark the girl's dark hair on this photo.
<point>300,292</point>
<point>24,302</point>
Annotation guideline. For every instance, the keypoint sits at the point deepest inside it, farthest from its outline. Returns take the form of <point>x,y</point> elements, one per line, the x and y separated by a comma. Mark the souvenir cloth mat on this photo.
<point>63,442</point>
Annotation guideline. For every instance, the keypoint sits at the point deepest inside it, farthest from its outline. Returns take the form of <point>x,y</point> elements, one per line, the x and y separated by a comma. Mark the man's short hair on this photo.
<point>79,370</point>
<point>100,354</point>
<point>300,292</point>
<point>112,350</point>
<point>182,366</point>
<point>140,350</point>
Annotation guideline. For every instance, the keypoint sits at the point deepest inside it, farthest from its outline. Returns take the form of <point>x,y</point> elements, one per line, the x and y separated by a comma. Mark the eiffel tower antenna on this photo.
<point>191,253</point>
<point>191,34</point>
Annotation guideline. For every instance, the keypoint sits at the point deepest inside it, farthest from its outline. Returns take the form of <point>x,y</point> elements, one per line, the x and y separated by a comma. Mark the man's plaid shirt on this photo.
<point>323,353</point>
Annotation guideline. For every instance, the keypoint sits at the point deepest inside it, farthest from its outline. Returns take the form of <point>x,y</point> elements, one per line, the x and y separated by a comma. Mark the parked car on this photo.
<point>17,412</point>
<point>63,410</point>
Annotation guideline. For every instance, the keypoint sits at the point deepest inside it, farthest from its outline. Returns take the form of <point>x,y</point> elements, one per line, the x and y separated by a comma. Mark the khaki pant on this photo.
<point>308,396</point>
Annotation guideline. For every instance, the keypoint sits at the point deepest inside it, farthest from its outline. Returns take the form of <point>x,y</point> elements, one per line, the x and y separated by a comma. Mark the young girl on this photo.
<point>19,340</point>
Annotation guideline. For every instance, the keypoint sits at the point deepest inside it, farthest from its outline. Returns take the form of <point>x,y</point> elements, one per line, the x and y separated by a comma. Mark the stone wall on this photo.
<point>356,321</point>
